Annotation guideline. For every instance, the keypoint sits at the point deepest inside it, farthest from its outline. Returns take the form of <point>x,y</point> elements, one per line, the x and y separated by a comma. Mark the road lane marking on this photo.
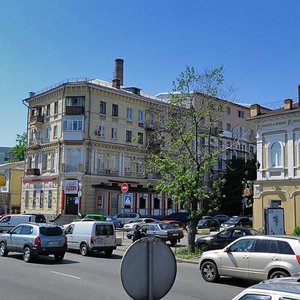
<point>66,275</point>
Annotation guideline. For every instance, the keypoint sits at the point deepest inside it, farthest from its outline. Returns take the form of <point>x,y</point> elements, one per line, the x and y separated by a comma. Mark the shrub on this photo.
<point>296,230</point>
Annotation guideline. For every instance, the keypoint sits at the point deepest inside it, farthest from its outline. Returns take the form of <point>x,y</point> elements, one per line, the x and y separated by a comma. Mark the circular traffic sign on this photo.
<point>124,187</point>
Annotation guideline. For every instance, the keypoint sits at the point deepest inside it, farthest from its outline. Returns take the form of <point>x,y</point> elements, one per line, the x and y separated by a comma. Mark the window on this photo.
<point>128,164</point>
<point>151,120</point>
<point>228,127</point>
<point>47,134</point>
<point>26,199</point>
<point>55,132</point>
<point>101,131</point>
<point>220,125</point>
<point>276,155</point>
<point>56,108</point>
<point>27,229</point>
<point>44,161</point>
<point>250,296</point>
<point>142,203</point>
<point>139,167</point>
<point>140,138</point>
<point>241,114</point>
<point>34,199</point>
<point>114,111</point>
<point>50,199</point>
<point>102,107</point>
<point>48,110</point>
<point>156,203</point>
<point>75,101</point>
<point>262,246</point>
<point>129,113</point>
<point>229,110</point>
<point>52,161</point>
<point>100,162</point>
<point>114,135</point>
<point>128,136</point>
<point>73,123</point>
<point>141,116</point>
<point>41,199</point>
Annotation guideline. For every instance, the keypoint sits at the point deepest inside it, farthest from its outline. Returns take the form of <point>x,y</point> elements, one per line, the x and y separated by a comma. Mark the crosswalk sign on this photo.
<point>127,199</point>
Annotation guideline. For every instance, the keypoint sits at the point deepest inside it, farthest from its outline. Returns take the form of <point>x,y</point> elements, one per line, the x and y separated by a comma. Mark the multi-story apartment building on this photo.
<point>278,155</point>
<point>11,187</point>
<point>87,137</point>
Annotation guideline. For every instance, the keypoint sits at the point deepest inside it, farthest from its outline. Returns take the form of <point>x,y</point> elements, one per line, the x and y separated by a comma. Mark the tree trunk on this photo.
<point>192,230</point>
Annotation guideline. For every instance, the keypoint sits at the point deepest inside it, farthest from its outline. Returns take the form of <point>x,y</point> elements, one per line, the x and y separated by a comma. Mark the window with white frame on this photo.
<point>73,123</point>
<point>73,160</point>
<point>50,196</point>
<point>34,199</point>
<point>114,134</point>
<point>129,113</point>
<point>47,137</point>
<point>101,166</point>
<point>141,116</point>
<point>41,199</point>
<point>241,114</point>
<point>44,161</point>
<point>113,162</point>
<point>52,161</point>
<point>115,110</point>
<point>75,101</point>
<point>151,120</point>
<point>276,155</point>
<point>139,167</point>
<point>128,164</point>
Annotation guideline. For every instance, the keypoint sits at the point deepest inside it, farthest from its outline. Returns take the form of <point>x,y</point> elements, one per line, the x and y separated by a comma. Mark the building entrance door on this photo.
<point>71,206</point>
<point>114,203</point>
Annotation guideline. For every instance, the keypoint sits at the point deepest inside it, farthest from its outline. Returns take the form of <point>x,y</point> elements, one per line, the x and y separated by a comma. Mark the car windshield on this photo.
<point>233,220</point>
<point>51,231</point>
<point>166,226</point>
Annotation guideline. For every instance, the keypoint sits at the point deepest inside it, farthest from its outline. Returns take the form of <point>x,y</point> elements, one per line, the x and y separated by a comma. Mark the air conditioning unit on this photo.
<point>98,132</point>
<point>108,171</point>
<point>141,123</point>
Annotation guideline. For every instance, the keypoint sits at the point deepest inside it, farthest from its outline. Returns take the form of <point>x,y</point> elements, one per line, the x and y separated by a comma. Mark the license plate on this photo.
<point>175,234</point>
<point>52,243</point>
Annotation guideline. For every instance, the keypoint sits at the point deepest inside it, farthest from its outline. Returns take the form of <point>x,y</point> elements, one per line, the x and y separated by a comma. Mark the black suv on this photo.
<point>33,239</point>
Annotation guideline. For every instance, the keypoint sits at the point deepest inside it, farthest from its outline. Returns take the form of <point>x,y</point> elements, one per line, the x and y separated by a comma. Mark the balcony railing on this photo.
<point>74,110</point>
<point>37,119</point>
<point>35,172</point>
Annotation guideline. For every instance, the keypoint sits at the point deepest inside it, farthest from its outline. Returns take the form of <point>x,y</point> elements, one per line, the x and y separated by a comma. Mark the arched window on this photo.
<point>276,155</point>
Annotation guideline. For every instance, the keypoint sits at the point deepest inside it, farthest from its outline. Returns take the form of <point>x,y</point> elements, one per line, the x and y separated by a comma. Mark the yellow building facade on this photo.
<point>278,155</point>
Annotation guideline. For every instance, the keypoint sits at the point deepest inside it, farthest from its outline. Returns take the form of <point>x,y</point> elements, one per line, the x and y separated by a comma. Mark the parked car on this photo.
<point>287,288</point>
<point>221,218</point>
<point>131,225</point>
<point>183,217</point>
<point>8,222</point>
<point>115,221</point>
<point>237,221</point>
<point>37,218</point>
<point>33,240</point>
<point>91,236</point>
<point>95,217</point>
<point>175,223</point>
<point>127,217</point>
<point>164,231</point>
<point>223,238</point>
<point>208,224</point>
<point>256,257</point>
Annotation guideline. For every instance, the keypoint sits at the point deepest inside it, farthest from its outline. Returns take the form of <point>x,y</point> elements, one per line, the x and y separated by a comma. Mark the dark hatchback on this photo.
<point>208,224</point>
<point>237,221</point>
<point>223,238</point>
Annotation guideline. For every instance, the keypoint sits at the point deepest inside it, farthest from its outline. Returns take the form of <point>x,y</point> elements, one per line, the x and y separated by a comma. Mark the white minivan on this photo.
<point>91,236</point>
<point>8,222</point>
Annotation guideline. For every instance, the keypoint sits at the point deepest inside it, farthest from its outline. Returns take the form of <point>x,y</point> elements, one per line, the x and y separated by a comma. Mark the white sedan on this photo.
<point>131,225</point>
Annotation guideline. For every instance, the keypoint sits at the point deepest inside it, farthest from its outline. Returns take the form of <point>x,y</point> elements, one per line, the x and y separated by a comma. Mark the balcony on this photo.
<point>37,120</point>
<point>74,110</point>
<point>151,125</point>
<point>34,172</point>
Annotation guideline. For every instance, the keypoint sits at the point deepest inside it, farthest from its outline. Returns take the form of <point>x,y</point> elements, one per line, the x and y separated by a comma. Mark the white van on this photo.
<point>127,217</point>
<point>91,236</point>
<point>8,222</point>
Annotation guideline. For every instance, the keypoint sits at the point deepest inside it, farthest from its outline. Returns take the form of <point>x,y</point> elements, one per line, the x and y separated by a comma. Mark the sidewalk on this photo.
<point>123,243</point>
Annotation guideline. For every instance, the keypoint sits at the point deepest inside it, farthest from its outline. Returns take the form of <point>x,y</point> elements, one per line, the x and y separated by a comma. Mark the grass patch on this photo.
<point>185,253</point>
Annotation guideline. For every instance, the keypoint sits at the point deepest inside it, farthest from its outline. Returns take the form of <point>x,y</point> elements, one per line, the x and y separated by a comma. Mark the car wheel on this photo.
<point>108,253</point>
<point>209,271</point>
<point>59,256</point>
<point>279,274</point>
<point>3,249</point>
<point>27,256</point>
<point>83,250</point>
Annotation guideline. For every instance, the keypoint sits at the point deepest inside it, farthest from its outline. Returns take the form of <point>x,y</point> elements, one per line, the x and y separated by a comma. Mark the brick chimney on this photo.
<point>119,67</point>
<point>288,104</point>
<point>255,110</point>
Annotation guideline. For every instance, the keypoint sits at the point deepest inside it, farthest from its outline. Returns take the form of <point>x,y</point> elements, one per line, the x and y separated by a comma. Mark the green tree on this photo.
<point>18,152</point>
<point>186,168</point>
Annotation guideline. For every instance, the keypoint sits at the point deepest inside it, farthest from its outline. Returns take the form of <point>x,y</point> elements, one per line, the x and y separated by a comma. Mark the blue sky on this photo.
<point>44,42</point>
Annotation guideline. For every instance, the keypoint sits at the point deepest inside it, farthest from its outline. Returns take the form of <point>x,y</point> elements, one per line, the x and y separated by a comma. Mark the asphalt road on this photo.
<point>96,277</point>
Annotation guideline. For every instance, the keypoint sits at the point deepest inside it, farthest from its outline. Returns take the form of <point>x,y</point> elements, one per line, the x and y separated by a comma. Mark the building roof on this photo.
<point>19,165</point>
